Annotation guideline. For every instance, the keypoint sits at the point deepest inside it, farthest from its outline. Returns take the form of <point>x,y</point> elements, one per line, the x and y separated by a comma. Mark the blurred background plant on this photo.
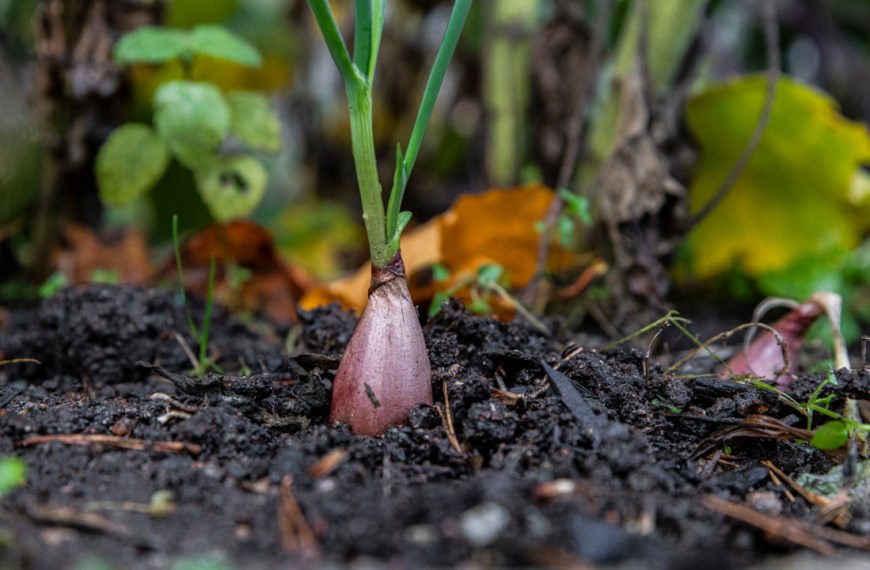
<point>194,122</point>
<point>634,112</point>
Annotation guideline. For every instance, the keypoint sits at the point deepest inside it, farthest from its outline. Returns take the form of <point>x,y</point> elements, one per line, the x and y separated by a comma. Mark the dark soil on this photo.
<point>580,457</point>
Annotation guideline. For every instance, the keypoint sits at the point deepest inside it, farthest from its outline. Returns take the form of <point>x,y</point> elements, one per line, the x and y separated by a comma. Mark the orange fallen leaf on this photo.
<point>85,253</point>
<point>273,287</point>
<point>421,248</point>
<point>497,227</point>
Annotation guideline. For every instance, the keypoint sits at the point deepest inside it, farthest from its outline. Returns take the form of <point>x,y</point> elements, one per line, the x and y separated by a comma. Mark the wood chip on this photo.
<point>328,463</point>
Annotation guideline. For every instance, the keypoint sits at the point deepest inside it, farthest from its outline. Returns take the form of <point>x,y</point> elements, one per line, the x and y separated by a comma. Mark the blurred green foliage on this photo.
<point>794,196</point>
<point>795,223</point>
<point>156,45</point>
<point>192,119</point>
<point>322,236</point>
<point>13,474</point>
<point>132,161</point>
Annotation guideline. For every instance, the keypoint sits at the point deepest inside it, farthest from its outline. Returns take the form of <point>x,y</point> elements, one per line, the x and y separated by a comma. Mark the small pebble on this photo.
<point>483,524</point>
<point>766,502</point>
<point>421,535</point>
<point>122,428</point>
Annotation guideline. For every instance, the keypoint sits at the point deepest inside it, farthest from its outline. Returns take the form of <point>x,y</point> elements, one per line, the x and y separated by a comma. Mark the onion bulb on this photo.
<point>385,369</point>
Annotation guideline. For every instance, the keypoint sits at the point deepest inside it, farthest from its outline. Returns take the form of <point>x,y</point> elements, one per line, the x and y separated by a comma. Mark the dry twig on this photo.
<point>114,441</point>
<point>755,426</point>
<point>574,138</point>
<point>728,334</point>
<point>297,537</point>
<point>20,361</point>
<point>447,421</point>
<point>783,528</point>
<point>814,536</point>
<point>771,35</point>
<point>68,516</point>
<point>835,511</point>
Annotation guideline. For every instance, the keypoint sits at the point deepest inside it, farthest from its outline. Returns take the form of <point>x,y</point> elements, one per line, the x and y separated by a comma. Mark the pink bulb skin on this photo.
<point>763,359</point>
<point>385,370</point>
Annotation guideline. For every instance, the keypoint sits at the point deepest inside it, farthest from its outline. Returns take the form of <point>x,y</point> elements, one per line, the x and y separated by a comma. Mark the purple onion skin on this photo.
<point>385,369</point>
<point>764,356</point>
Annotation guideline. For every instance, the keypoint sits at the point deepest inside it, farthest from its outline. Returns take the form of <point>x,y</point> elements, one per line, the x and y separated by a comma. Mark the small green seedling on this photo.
<point>487,281</point>
<point>830,435</point>
<point>192,120</point>
<point>815,403</point>
<point>480,286</point>
<point>202,363</point>
<point>52,285</point>
<point>671,318</point>
<point>576,210</point>
<point>662,403</point>
<point>55,282</point>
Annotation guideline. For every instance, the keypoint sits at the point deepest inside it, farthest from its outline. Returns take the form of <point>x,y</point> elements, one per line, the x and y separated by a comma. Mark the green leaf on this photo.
<point>489,274</point>
<point>437,300</point>
<point>566,227</point>
<point>793,198</point>
<point>832,435</point>
<point>150,44</point>
<point>252,120</point>
<point>836,480</point>
<point>334,41</point>
<point>192,119</point>
<point>13,474</point>
<point>815,271</point>
<point>440,272</point>
<point>106,276</point>
<point>577,206</point>
<point>401,224</point>
<point>217,41</point>
<point>394,204</point>
<point>130,162</point>
<point>204,561</point>
<point>231,187</point>
<point>52,285</point>
<point>362,37</point>
<point>479,306</point>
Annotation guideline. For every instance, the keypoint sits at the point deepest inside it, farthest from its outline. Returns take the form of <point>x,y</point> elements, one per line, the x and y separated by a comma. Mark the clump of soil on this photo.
<point>536,453</point>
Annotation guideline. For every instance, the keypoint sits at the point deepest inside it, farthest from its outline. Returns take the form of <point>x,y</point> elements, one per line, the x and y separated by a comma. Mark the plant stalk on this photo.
<point>359,98</point>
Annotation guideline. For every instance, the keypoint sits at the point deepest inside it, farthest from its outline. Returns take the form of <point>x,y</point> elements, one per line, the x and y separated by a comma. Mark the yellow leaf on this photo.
<point>793,198</point>
<point>274,73</point>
